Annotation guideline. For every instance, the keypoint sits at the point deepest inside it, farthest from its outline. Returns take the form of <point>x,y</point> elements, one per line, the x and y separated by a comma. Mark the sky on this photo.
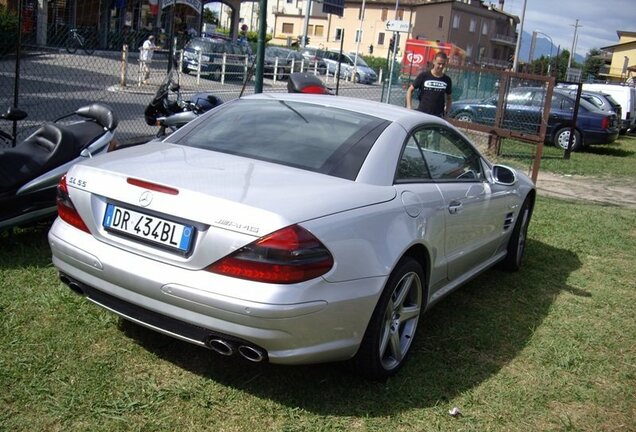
<point>599,20</point>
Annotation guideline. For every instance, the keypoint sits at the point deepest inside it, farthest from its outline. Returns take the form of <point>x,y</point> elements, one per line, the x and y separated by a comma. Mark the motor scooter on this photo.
<point>170,111</point>
<point>31,171</point>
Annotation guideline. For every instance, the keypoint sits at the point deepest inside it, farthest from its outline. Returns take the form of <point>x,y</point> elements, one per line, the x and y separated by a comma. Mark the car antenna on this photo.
<point>250,72</point>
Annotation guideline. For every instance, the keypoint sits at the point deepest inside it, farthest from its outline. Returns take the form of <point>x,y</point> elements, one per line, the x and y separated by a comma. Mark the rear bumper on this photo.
<point>326,324</point>
<point>597,137</point>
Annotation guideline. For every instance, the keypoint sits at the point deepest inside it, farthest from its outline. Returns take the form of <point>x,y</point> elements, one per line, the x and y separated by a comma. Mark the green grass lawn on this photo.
<point>612,160</point>
<point>552,347</point>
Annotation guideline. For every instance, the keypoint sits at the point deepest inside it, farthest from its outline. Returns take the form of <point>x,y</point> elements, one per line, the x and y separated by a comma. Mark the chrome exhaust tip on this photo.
<point>250,353</point>
<point>220,346</point>
<point>74,286</point>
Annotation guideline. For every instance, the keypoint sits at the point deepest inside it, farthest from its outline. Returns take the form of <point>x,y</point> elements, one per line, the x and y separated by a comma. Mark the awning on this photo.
<point>194,4</point>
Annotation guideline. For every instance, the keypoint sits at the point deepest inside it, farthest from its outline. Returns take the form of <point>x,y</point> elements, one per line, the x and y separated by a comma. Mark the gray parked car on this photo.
<point>212,51</point>
<point>283,61</point>
<point>313,59</point>
<point>604,102</point>
<point>362,73</point>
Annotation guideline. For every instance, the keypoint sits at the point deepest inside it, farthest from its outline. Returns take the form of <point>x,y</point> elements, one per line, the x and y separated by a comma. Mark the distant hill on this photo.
<point>542,47</point>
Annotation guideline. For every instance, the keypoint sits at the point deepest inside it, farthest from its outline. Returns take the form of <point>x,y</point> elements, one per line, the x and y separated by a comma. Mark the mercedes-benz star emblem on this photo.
<point>145,199</point>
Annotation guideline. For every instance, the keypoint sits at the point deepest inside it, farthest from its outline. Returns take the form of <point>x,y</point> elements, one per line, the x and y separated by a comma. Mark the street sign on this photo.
<point>398,26</point>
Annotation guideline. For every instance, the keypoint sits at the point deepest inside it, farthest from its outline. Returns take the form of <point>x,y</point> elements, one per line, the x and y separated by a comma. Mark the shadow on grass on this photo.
<point>25,247</point>
<point>464,340</point>
<point>609,151</point>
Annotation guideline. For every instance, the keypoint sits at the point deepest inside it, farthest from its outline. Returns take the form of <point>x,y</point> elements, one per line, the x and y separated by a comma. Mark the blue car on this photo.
<point>524,111</point>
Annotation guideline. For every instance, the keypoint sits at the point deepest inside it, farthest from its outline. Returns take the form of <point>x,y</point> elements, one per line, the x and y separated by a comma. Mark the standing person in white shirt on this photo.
<point>145,57</point>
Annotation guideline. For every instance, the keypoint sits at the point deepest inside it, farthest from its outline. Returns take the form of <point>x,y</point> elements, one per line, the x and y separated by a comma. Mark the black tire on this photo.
<point>391,330</point>
<point>280,73</point>
<point>517,243</point>
<point>563,135</point>
<point>215,75</point>
<point>71,45</point>
<point>464,116</point>
<point>89,46</point>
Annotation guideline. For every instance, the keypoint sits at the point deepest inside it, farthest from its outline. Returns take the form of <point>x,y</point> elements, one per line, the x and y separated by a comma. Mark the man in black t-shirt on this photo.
<point>435,89</point>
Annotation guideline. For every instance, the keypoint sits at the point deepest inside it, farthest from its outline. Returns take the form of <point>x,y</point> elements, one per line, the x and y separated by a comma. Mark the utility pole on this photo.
<point>303,43</point>
<point>359,36</point>
<point>533,44</point>
<point>516,59</point>
<point>576,29</point>
<point>395,47</point>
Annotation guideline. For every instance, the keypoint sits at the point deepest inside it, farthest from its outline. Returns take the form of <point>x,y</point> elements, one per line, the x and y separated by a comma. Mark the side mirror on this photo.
<point>504,175</point>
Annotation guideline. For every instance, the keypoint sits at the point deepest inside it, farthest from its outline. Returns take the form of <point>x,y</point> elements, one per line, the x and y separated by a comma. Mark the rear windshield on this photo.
<point>308,136</point>
<point>612,101</point>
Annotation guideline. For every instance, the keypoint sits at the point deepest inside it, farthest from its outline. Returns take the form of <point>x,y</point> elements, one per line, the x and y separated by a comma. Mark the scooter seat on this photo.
<point>40,152</point>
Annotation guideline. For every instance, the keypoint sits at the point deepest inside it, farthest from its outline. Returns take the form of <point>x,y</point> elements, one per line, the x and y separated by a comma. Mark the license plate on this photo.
<point>159,231</point>
<point>191,66</point>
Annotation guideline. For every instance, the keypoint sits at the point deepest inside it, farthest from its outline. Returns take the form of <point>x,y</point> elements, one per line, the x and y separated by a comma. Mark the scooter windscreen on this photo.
<point>158,106</point>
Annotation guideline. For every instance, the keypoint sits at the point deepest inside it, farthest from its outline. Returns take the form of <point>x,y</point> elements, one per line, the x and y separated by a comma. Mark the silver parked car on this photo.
<point>363,73</point>
<point>290,228</point>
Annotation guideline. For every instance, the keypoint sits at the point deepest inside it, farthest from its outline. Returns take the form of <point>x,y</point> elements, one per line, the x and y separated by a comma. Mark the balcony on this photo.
<point>504,40</point>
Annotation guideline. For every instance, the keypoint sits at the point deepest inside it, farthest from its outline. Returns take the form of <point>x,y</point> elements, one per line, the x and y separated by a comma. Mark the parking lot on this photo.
<point>53,83</point>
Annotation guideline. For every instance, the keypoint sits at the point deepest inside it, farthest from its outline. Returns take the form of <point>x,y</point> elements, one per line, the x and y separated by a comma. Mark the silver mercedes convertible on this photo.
<point>290,228</point>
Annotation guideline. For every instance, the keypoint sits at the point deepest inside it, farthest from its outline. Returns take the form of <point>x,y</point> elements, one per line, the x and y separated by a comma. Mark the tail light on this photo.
<point>287,256</point>
<point>66,209</point>
<point>605,123</point>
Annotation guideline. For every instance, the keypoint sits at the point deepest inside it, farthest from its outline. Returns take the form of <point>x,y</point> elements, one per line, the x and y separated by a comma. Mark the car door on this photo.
<point>561,112</point>
<point>486,111</point>
<point>520,113</point>
<point>474,211</point>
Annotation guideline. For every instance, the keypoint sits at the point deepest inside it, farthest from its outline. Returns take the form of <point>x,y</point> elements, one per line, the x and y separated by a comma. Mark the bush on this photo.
<point>377,63</point>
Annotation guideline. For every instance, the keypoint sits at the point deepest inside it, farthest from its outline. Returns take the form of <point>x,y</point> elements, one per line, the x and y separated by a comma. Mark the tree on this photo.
<point>560,65</point>
<point>593,64</point>
<point>210,16</point>
<point>8,30</point>
<point>540,66</point>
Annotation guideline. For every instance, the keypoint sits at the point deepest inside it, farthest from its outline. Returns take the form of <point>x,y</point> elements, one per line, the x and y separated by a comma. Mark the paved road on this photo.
<point>55,83</point>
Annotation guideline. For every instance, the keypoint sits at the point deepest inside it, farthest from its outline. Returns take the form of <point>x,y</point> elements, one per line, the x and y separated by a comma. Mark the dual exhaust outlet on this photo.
<point>216,343</point>
<point>227,349</point>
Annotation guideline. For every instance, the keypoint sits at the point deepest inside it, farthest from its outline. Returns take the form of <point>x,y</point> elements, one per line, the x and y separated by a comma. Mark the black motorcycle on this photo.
<point>169,111</point>
<point>31,171</point>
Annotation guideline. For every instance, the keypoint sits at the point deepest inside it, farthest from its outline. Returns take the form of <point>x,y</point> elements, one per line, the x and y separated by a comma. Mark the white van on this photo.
<point>624,95</point>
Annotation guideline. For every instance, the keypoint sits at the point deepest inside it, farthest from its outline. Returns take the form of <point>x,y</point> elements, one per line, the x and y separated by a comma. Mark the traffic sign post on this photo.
<point>398,26</point>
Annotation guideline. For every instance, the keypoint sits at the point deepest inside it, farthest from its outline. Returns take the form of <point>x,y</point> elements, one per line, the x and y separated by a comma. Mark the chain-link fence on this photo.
<point>48,82</point>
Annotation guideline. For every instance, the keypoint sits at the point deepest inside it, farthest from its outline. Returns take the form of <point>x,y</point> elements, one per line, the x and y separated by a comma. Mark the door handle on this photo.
<point>454,207</point>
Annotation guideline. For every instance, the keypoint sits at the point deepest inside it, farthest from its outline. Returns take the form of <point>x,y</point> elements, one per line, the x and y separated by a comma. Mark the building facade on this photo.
<point>623,65</point>
<point>484,31</point>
